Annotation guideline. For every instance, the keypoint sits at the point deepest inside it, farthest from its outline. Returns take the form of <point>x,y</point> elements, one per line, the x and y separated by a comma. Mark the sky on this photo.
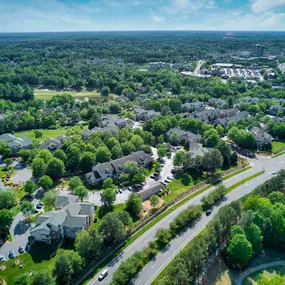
<point>113,15</point>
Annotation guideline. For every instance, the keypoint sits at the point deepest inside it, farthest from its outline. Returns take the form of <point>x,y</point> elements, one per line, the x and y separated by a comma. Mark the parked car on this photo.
<point>169,177</point>
<point>152,176</point>
<point>39,206</point>
<point>208,212</point>
<point>103,274</point>
<point>173,170</point>
<point>167,180</point>
<point>163,183</point>
<point>21,249</point>
<point>2,258</point>
<point>116,191</point>
<point>130,188</point>
<point>11,254</point>
<point>274,173</point>
<point>120,190</point>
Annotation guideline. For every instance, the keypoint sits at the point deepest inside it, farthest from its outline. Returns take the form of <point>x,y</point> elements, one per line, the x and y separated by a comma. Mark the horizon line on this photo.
<point>112,31</point>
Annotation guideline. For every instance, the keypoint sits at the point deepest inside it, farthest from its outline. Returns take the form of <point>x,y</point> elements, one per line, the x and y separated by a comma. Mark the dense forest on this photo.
<point>94,60</point>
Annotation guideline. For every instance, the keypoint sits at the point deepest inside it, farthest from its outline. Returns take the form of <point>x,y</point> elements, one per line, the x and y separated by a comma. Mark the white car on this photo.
<point>103,274</point>
<point>2,258</point>
<point>274,173</point>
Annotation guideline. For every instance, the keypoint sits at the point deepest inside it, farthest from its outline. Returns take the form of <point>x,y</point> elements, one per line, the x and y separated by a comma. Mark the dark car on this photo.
<point>116,191</point>
<point>21,249</point>
<point>208,212</point>
<point>39,206</point>
<point>11,254</point>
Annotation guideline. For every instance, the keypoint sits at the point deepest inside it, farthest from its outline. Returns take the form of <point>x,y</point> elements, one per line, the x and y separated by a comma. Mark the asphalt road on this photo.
<point>155,266</point>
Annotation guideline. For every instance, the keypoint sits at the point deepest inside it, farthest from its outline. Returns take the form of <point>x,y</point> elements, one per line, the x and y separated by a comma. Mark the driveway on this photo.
<point>23,174</point>
<point>20,232</point>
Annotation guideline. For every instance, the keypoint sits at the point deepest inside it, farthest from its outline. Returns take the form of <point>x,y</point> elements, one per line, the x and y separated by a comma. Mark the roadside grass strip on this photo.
<point>278,154</point>
<point>135,236</point>
<point>163,273</point>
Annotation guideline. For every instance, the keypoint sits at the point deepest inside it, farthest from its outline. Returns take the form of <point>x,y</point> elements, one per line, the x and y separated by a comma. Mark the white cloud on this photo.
<point>265,5</point>
<point>211,4</point>
<point>184,6</point>
<point>157,18</point>
<point>181,3</point>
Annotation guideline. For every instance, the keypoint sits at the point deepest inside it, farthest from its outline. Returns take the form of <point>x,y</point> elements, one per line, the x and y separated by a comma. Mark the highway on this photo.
<point>153,268</point>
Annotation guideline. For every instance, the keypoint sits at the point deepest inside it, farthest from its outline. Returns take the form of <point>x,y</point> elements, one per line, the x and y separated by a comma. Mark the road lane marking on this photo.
<point>178,250</point>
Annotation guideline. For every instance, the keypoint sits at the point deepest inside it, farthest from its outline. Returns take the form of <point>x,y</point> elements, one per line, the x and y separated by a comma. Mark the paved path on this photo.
<point>257,268</point>
<point>155,266</point>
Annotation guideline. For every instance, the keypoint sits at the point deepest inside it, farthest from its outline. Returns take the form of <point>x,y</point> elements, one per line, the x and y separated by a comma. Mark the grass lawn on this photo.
<point>46,133</point>
<point>182,182</point>
<point>36,260</point>
<point>46,94</point>
<point>276,146</point>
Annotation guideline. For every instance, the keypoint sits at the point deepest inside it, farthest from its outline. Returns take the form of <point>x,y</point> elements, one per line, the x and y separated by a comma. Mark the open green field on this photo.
<point>34,261</point>
<point>46,94</point>
<point>276,146</point>
<point>183,182</point>
<point>46,133</point>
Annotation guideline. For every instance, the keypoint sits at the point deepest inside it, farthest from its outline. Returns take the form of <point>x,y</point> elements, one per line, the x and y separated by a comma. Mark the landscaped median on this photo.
<point>169,208</point>
<point>129,268</point>
<point>231,188</point>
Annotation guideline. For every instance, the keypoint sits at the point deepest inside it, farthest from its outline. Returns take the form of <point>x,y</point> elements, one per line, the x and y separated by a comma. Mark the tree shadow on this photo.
<point>104,210</point>
<point>21,228</point>
<point>42,251</point>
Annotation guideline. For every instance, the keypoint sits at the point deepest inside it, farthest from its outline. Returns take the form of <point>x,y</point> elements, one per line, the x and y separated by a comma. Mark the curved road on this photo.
<point>155,266</point>
<point>257,268</point>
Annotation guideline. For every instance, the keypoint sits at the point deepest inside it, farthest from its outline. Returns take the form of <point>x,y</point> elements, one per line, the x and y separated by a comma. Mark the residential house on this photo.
<point>197,149</point>
<point>263,139</point>
<point>143,115</point>
<point>114,120</point>
<point>184,137</point>
<point>53,144</point>
<point>206,116</point>
<point>114,168</point>
<point>63,223</point>
<point>71,110</point>
<point>274,110</point>
<point>112,129</point>
<point>2,117</point>
<point>194,106</point>
<point>16,144</point>
<point>223,121</point>
<point>121,99</point>
<point>216,102</point>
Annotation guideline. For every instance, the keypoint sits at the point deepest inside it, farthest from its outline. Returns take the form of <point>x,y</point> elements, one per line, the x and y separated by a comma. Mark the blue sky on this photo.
<point>102,15</point>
